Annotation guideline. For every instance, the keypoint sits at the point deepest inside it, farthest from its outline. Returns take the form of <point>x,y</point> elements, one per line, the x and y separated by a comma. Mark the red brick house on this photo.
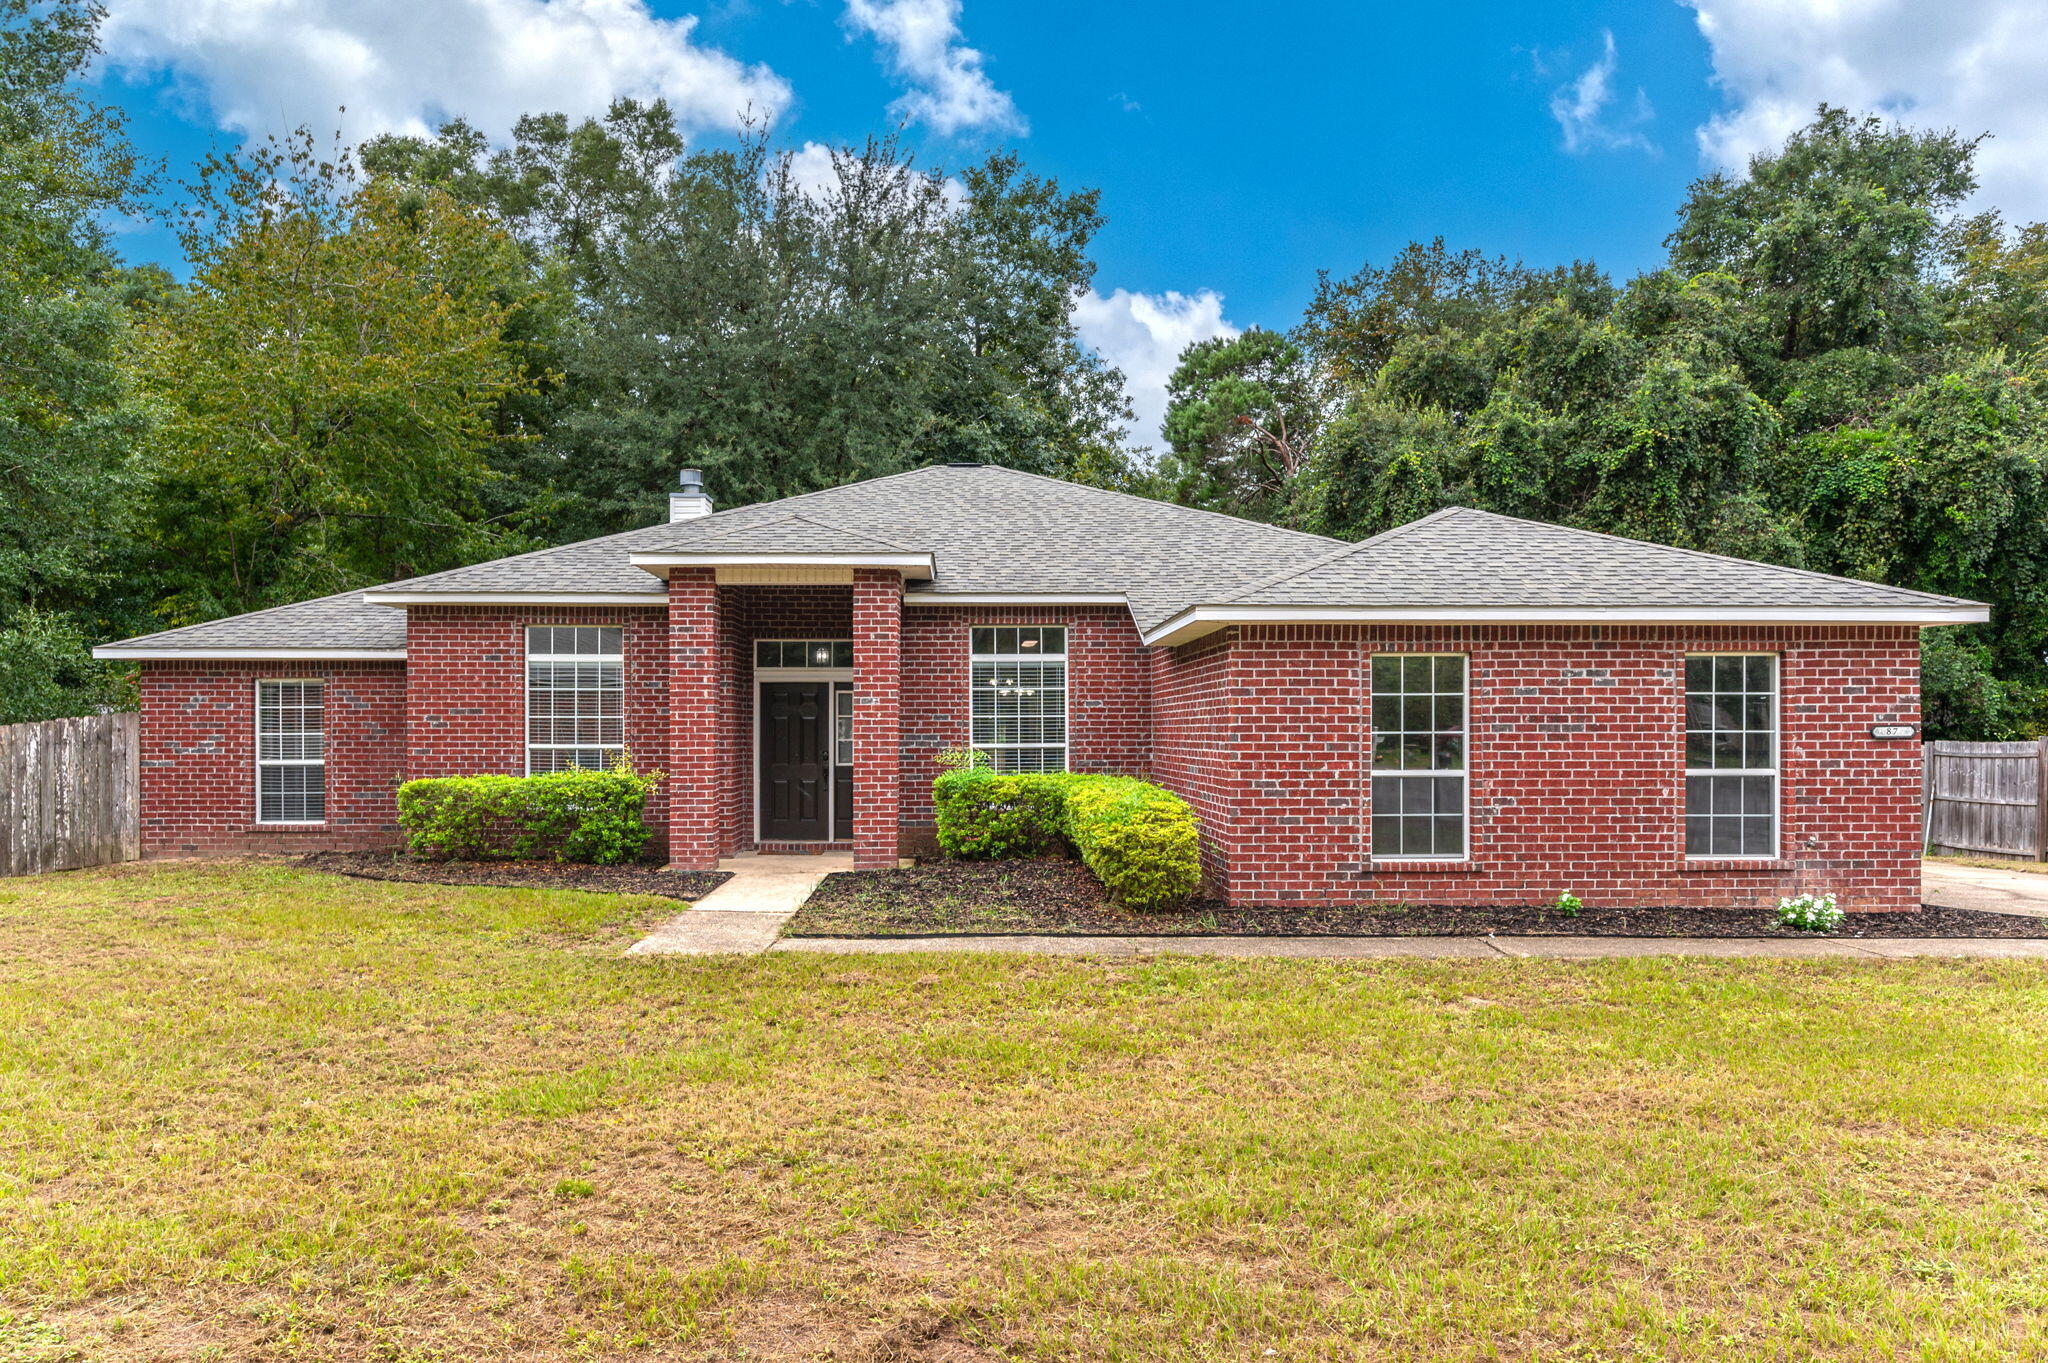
<point>1469,708</point>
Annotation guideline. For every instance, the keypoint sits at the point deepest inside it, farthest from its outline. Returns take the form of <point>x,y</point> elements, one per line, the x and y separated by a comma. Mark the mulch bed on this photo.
<point>1060,898</point>
<point>633,878</point>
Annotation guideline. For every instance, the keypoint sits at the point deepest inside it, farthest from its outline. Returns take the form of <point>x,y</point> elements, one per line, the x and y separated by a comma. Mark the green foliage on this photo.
<point>588,816</point>
<point>1810,912</point>
<point>67,423</point>
<point>1567,905</point>
<point>1834,371</point>
<point>1241,421</point>
<point>327,385</point>
<point>1139,839</point>
<point>984,815</point>
<point>787,331</point>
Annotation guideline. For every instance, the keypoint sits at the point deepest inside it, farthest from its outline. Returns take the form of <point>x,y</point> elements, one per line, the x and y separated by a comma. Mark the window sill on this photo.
<point>1733,864</point>
<point>285,827</point>
<point>1422,865</point>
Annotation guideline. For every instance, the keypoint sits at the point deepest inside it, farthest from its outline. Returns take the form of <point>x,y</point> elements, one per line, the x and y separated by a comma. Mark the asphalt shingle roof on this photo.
<point>1460,557</point>
<point>993,530</point>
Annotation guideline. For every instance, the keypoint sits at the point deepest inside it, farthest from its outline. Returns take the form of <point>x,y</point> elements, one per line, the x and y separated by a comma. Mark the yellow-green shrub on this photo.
<point>1139,839</point>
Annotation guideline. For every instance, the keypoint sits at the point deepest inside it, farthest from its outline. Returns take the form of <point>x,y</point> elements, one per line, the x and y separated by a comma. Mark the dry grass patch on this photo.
<point>248,1112</point>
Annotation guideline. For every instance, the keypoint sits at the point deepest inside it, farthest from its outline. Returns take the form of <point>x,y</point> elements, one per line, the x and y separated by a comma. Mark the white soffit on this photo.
<point>1200,620</point>
<point>911,565</point>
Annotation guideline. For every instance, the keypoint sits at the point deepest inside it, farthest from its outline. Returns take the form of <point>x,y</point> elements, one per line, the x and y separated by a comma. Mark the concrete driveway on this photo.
<point>1983,888</point>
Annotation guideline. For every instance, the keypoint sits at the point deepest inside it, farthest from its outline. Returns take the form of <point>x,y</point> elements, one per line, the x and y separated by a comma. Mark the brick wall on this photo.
<point>1109,685</point>
<point>1576,741</point>
<point>466,689</point>
<point>1576,765</point>
<point>198,760</point>
<point>877,716</point>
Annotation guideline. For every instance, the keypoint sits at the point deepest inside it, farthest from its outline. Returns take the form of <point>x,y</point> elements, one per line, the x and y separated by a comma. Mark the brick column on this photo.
<point>877,715</point>
<point>696,731</point>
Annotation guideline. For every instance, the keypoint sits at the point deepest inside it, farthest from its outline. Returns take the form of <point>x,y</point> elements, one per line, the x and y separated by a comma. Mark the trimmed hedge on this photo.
<point>1139,839</point>
<point>590,816</point>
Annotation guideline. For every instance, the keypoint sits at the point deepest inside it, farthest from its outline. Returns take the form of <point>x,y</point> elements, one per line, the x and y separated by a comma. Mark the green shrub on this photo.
<point>592,816</point>
<point>1139,839</point>
<point>985,816</point>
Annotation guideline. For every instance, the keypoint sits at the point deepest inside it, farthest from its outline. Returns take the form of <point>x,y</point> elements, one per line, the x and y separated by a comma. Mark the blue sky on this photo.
<point>1239,149</point>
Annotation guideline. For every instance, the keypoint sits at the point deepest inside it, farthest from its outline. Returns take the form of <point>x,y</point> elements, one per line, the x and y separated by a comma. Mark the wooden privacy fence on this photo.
<point>1986,797</point>
<point>68,792</point>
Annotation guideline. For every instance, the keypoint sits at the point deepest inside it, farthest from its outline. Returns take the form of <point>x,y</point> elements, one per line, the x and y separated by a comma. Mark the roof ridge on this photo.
<point>1155,501</point>
<point>621,534</point>
<point>871,538</point>
<point>1345,551</point>
<point>1705,554</point>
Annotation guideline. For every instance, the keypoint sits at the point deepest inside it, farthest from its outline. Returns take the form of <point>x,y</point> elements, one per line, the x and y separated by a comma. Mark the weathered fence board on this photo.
<point>68,794</point>
<point>1986,797</point>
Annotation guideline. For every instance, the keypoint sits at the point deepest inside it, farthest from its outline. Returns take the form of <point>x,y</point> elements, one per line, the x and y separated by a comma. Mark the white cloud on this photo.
<point>1143,334</point>
<point>1582,108</point>
<point>949,90</point>
<point>403,65</point>
<point>1971,65</point>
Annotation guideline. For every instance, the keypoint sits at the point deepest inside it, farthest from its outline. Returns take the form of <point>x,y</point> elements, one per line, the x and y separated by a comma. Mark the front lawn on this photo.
<point>253,1112</point>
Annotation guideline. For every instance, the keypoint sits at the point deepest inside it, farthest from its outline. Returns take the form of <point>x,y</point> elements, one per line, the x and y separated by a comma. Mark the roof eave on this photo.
<point>921,566</point>
<point>201,653</point>
<point>1197,621</point>
<point>402,598</point>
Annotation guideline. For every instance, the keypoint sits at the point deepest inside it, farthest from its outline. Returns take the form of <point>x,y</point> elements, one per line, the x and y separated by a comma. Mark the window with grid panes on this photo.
<point>291,752</point>
<point>1017,680</point>
<point>1418,755</point>
<point>1731,755</point>
<point>575,697</point>
<point>803,653</point>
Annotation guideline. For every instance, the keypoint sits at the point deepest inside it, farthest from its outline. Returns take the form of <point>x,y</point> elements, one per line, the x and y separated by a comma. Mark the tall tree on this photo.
<point>326,387</point>
<point>1242,417</point>
<point>786,323</point>
<point>66,426</point>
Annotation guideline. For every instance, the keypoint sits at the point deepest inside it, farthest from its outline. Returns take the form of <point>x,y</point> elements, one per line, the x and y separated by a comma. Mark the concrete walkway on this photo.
<point>1457,948</point>
<point>1984,888</point>
<point>743,916</point>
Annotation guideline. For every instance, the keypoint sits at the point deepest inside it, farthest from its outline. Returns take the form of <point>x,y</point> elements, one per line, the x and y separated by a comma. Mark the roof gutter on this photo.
<point>1015,599</point>
<point>514,599</point>
<point>1197,621</point>
<point>203,654</point>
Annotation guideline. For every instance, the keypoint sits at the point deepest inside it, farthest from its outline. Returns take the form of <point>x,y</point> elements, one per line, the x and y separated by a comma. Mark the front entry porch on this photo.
<point>784,714</point>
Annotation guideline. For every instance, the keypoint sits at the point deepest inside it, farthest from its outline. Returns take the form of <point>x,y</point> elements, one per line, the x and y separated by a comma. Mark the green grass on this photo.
<point>252,1113</point>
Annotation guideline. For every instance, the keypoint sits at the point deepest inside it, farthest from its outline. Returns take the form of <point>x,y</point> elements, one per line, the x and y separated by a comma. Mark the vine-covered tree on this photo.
<point>1836,369</point>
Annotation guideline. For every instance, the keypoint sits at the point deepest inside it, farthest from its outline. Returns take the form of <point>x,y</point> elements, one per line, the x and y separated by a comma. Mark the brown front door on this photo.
<point>796,762</point>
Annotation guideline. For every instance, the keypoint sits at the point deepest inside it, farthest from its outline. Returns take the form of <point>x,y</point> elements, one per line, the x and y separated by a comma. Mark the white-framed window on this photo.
<point>1731,755</point>
<point>291,752</point>
<point>806,653</point>
<point>1017,696</point>
<point>575,697</point>
<point>1418,755</point>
